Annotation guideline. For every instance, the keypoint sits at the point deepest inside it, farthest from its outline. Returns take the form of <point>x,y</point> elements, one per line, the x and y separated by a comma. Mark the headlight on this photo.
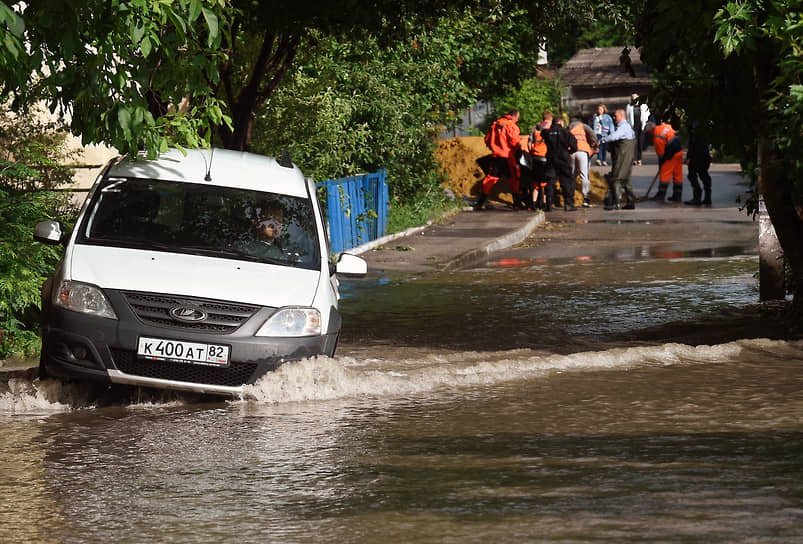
<point>83,298</point>
<point>292,322</point>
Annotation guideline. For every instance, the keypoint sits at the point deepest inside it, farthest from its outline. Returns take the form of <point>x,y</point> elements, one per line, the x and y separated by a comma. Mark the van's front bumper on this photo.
<point>80,346</point>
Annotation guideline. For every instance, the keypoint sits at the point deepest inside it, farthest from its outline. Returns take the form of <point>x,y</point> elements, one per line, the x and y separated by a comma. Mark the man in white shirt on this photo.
<point>623,143</point>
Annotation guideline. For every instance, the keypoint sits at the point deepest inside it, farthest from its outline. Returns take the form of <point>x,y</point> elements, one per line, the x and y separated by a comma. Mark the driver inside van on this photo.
<point>266,231</point>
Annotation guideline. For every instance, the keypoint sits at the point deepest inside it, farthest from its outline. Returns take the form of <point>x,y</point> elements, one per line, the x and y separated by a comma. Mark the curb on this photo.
<point>503,242</point>
<point>359,250</point>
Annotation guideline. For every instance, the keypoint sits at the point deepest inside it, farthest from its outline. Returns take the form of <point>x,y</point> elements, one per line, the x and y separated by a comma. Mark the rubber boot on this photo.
<point>707,197</point>
<point>616,198</point>
<point>549,197</point>
<point>661,194</point>
<point>480,202</point>
<point>631,199</point>
<point>677,191</point>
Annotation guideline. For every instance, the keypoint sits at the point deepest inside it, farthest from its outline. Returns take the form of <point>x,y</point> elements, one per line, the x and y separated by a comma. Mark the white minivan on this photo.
<point>199,271</point>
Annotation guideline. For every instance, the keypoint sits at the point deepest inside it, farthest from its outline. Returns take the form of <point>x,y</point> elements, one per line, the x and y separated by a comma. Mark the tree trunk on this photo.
<point>274,59</point>
<point>777,190</point>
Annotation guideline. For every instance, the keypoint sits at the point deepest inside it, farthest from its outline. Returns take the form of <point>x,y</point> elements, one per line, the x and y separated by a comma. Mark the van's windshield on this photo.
<point>204,220</point>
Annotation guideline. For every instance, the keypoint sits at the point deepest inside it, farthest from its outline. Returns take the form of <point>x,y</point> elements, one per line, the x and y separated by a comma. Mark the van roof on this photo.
<point>226,168</point>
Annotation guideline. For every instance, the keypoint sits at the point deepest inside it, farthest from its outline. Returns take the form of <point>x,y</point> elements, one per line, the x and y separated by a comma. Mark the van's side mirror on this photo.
<point>48,232</point>
<point>351,265</point>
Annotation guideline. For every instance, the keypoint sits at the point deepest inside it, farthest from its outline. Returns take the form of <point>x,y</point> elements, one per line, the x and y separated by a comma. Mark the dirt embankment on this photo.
<point>458,162</point>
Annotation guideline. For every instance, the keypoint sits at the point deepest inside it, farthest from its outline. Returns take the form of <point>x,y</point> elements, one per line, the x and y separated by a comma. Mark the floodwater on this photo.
<point>521,400</point>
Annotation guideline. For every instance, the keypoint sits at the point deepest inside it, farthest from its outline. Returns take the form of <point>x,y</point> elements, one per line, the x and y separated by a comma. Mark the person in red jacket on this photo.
<point>670,161</point>
<point>504,141</point>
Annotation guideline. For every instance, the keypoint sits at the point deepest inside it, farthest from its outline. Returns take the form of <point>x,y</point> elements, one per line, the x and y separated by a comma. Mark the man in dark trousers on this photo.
<point>560,145</point>
<point>698,159</point>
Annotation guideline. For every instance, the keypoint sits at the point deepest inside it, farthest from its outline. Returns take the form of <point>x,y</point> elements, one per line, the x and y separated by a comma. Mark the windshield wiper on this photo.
<point>228,252</point>
<point>206,250</point>
<point>134,244</point>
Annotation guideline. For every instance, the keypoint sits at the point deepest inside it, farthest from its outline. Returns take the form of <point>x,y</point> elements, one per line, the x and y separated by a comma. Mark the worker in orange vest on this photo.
<point>504,141</point>
<point>670,160</point>
<point>537,149</point>
<point>586,140</point>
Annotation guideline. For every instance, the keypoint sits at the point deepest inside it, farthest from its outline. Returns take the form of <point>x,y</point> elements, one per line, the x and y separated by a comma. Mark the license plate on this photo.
<point>177,351</point>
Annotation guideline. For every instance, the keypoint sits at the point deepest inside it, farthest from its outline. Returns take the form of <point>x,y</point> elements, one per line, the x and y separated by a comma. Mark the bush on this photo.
<point>530,98</point>
<point>32,156</point>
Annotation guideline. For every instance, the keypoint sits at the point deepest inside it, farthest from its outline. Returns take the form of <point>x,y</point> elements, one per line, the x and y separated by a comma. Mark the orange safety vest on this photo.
<point>660,136</point>
<point>580,135</point>
<point>504,137</point>
<point>536,144</point>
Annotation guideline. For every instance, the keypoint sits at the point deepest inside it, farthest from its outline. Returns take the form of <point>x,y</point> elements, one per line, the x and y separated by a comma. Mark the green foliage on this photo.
<point>120,68</point>
<point>32,158</point>
<point>765,33</point>
<point>531,98</point>
<point>329,113</point>
<point>353,106</point>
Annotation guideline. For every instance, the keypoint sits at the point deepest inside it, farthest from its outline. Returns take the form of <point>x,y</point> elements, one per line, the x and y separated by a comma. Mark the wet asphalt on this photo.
<point>470,236</point>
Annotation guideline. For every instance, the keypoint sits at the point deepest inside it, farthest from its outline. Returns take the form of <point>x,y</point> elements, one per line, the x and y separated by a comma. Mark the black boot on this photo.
<point>695,200</point>
<point>615,202</point>
<point>631,198</point>
<point>661,194</point>
<point>549,198</point>
<point>480,202</point>
<point>677,191</point>
<point>707,198</point>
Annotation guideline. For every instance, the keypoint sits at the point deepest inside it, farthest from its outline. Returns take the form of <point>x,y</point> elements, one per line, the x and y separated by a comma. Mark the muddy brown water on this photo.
<point>562,400</point>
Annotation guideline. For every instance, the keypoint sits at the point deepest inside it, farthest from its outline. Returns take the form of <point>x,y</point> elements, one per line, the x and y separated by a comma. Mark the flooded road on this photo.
<point>539,396</point>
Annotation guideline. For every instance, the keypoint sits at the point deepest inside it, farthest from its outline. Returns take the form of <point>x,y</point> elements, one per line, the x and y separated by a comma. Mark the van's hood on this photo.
<point>193,275</point>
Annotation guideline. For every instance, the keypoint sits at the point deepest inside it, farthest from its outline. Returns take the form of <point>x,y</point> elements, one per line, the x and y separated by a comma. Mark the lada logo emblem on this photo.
<point>189,314</point>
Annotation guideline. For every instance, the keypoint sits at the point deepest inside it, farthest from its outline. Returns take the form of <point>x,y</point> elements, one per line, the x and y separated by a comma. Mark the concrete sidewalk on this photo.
<point>471,236</point>
<point>466,237</point>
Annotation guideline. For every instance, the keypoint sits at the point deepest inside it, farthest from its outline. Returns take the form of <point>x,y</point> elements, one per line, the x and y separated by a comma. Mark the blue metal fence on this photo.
<point>357,209</point>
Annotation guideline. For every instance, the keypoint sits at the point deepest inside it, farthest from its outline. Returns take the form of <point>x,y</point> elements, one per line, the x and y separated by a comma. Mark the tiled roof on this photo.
<point>599,67</point>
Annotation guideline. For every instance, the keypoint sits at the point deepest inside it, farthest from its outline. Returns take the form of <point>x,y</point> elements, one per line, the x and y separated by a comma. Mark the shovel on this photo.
<point>647,194</point>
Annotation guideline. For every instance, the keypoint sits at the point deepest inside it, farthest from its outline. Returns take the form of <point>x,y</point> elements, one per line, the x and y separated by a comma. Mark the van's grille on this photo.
<point>222,317</point>
<point>234,375</point>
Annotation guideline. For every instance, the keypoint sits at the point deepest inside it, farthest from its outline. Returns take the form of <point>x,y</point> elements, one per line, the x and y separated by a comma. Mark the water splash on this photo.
<point>29,395</point>
<point>338,378</point>
<point>405,372</point>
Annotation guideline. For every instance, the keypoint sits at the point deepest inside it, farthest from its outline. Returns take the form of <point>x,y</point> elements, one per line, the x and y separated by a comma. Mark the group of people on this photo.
<point>550,154</point>
<point>553,153</point>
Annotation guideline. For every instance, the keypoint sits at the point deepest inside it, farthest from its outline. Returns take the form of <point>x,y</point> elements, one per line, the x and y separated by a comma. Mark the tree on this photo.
<point>133,74</point>
<point>738,66</point>
<point>350,104</point>
<point>145,74</point>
